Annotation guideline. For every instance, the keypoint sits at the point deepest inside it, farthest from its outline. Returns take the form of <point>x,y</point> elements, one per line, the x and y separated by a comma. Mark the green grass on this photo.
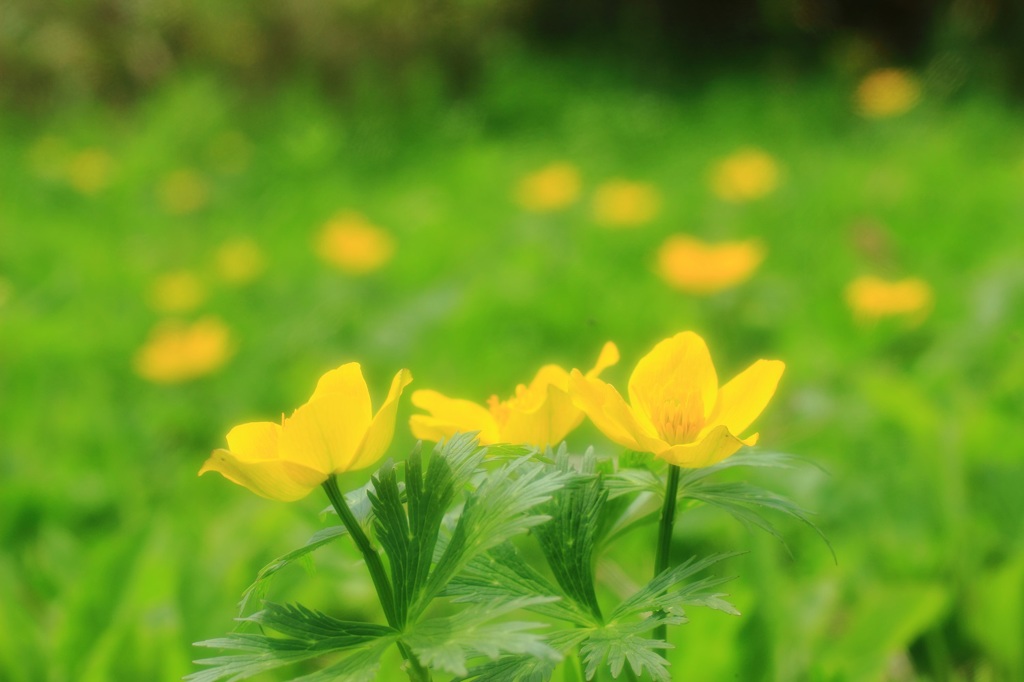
<point>116,557</point>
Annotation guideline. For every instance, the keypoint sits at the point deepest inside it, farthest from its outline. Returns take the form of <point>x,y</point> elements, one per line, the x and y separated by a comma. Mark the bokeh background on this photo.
<point>203,206</point>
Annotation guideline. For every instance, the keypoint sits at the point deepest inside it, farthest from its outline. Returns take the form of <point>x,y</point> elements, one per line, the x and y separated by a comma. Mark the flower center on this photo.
<point>680,420</point>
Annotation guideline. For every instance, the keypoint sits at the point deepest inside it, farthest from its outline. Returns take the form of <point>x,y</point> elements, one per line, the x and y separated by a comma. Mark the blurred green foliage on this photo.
<point>52,50</point>
<point>115,557</point>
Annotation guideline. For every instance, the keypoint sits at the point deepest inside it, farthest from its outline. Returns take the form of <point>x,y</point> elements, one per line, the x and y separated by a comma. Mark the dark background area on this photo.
<point>51,51</point>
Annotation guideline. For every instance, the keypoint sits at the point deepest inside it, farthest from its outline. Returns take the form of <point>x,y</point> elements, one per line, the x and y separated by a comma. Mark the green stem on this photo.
<point>370,554</point>
<point>416,671</point>
<point>668,518</point>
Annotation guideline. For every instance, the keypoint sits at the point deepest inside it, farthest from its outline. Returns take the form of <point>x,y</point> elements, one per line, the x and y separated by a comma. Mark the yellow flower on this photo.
<point>177,292</point>
<point>676,410</point>
<point>540,414</point>
<point>175,352</point>
<point>354,245</point>
<point>549,189</point>
<point>691,265</point>
<point>239,261</point>
<point>183,191</point>
<point>334,432</point>
<point>747,174</point>
<point>887,92</point>
<point>872,298</point>
<point>621,203</point>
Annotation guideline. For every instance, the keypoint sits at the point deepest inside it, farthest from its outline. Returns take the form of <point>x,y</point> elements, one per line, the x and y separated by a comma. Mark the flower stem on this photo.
<point>416,671</point>
<point>668,518</point>
<point>370,554</point>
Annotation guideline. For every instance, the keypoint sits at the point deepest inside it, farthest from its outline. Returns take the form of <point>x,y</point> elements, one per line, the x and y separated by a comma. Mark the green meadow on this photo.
<point>116,557</point>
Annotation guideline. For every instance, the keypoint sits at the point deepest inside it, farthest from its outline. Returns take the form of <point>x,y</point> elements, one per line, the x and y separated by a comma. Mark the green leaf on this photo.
<point>362,665</point>
<point>513,669</point>
<point>744,501</point>
<point>409,533</point>
<point>569,539</point>
<point>317,629</point>
<point>259,587</point>
<point>307,634</point>
<point>447,643</point>
<point>501,574</point>
<point>614,646</point>
<point>244,666</point>
<point>496,511</point>
<point>656,595</point>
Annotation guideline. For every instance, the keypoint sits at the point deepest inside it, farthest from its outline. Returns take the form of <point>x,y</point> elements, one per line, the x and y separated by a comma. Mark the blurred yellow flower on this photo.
<point>676,409</point>
<point>887,92</point>
<point>239,261</point>
<point>691,265</point>
<point>177,292</point>
<point>334,432</point>
<point>873,298</point>
<point>540,414</point>
<point>748,174</point>
<point>354,245</point>
<point>89,170</point>
<point>622,203</point>
<point>549,189</point>
<point>183,191</point>
<point>177,352</point>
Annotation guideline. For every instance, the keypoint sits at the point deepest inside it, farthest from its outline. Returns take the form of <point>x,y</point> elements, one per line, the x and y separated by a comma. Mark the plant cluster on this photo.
<point>483,552</point>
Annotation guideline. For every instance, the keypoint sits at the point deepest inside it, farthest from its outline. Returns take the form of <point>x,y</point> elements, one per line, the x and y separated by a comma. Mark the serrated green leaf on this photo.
<point>496,511</point>
<point>244,666</point>
<point>630,481</point>
<point>306,634</point>
<point>501,574</point>
<point>569,539</point>
<point>614,647</point>
<point>447,643</point>
<point>259,587</point>
<point>513,669</point>
<point>742,500</point>
<point>656,595</point>
<point>317,629</point>
<point>360,666</point>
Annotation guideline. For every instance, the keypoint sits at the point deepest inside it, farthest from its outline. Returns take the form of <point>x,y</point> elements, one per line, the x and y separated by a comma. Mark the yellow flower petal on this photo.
<point>678,369</point>
<point>255,441</point>
<point>715,446</point>
<point>348,382</point>
<point>378,437</point>
<point>548,423</point>
<point>609,356</point>
<point>744,398</point>
<point>326,432</point>
<point>606,408</point>
<point>449,416</point>
<point>273,479</point>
